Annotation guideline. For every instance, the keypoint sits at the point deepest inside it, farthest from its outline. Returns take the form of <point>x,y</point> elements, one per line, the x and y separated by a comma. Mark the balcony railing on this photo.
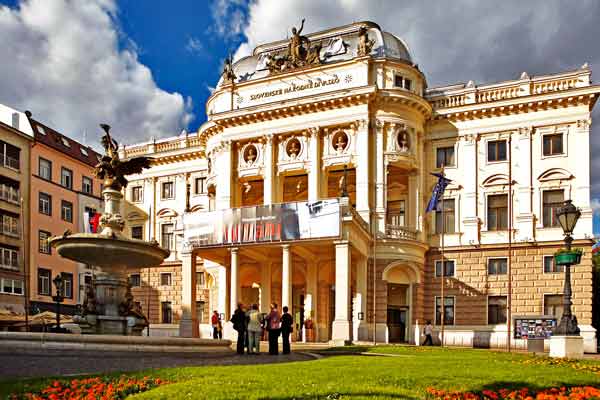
<point>9,194</point>
<point>399,232</point>
<point>10,228</point>
<point>11,162</point>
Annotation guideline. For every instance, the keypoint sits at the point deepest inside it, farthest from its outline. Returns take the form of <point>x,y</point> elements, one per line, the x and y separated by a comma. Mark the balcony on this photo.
<point>9,194</point>
<point>11,162</point>
<point>399,232</point>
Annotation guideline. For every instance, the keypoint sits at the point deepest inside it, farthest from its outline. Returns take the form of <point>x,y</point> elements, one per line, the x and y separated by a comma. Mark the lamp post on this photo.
<point>58,298</point>
<point>567,216</point>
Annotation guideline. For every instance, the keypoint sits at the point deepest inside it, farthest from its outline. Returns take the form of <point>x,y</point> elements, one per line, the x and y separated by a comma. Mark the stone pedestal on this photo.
<point>566,347</point>
<point>340,333</point>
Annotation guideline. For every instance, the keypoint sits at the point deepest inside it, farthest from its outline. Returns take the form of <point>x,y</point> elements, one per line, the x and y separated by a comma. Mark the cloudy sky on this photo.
<point>148,66</point>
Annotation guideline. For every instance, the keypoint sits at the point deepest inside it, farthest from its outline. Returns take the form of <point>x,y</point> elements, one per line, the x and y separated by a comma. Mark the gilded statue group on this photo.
<point>300,53</point>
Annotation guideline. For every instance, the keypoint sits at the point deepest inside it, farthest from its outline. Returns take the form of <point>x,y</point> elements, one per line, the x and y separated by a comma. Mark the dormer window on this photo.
<point>402,82</point>
<point>83,151</point>
<point>41,130</point>
<point>65,141</point>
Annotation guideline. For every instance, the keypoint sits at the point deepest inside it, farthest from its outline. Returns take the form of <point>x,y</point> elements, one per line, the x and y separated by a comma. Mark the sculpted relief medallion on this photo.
<point>293,148</point>
<point>250,154</point>
<point>340,142</point>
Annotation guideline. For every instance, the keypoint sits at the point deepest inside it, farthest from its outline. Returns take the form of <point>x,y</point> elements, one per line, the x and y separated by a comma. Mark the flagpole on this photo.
<point>442,300</point>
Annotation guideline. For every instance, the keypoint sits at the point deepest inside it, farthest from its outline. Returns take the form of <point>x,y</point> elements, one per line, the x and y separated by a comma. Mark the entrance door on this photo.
<point>396,322</point>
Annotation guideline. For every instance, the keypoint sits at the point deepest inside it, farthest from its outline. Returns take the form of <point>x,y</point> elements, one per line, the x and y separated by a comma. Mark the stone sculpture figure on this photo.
<point>364,43</point>
<point>89,303</point>
<point>295,47</point>
<point>228,74</point>
<point>299,54</point>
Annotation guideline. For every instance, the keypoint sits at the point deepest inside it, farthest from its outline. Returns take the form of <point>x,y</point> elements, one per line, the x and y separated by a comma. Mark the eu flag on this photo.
<point>438,191</point>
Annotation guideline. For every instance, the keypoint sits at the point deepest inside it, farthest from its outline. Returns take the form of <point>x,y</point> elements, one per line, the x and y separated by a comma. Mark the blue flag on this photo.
<point>438,191</point>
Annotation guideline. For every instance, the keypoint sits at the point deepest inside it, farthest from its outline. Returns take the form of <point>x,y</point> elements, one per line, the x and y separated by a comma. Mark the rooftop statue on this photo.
<point>299,53</point>
<point>111,169</point>
<point>364,43</point>
<point>228,74</point>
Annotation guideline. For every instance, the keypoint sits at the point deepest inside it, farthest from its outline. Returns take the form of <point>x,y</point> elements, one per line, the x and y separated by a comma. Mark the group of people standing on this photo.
<point>251,324</point>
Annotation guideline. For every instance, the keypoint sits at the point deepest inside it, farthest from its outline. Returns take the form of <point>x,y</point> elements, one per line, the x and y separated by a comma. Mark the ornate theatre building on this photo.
<point>308,185</point>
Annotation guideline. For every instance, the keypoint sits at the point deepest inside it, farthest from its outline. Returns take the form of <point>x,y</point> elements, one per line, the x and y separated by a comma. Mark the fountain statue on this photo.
<point>108,307</point>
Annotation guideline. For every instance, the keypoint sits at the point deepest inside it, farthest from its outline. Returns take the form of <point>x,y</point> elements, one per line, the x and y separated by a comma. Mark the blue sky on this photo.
<point>147,66</point>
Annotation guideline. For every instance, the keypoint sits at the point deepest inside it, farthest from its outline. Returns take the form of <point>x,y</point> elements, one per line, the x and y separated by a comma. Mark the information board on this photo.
<point>528,327</point>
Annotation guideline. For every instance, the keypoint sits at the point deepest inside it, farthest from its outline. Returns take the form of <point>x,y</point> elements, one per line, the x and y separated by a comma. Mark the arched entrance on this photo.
<point>401,278</point>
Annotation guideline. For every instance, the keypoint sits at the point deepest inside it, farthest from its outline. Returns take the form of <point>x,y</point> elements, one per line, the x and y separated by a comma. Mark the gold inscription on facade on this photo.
<point>297,87</point>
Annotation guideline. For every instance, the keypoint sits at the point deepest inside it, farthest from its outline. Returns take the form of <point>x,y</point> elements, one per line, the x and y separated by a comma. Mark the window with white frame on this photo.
<point>167,236</point>
<point>496,150</point>
<point>445,157</point>
<point>200,279</point>
<point>396,211</point>
<point>66,178</point>
<point>9,224</point>
<point>497,266</point>
<point>9,191</point>
<point>168,190</point>
<point>87,185</point>
<point>43,244</point>
<point>11,286</point>
<point>551,267</point>
<point>137,232</point>
<point>402,82</point>
<point>553,305</point>
<point>45,204</point>
<point>166,312</point>
<point>11,155</point>
<point>137,194</point>
<point>200,185</point>
<point>448,268</point>
<point>44,276</point>
<point>445,225</point>
<point>67,279</point>
<point>497,310</point>
<point>66,211</point>
<point>45,169</point>
<point>135,280</point>
<point>448,310</point>
<point>10,258</point>
<point>552,201</point>
<point>552,144</point>
<point>497,212</point>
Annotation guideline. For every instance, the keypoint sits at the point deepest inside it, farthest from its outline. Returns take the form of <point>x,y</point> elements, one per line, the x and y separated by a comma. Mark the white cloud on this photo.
<point>65,65</point>
<point>194,45</point>
<point>229,17</point>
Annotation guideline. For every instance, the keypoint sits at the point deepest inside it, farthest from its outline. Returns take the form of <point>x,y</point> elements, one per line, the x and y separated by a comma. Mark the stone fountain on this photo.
<point>108,307</point>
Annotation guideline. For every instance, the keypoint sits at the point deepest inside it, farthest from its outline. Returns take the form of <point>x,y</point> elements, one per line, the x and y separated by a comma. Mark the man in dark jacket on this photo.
<point>239,324</point>
<point>286,328</point>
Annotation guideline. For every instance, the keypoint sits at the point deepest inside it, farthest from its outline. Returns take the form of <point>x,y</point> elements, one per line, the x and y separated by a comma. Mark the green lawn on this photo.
<point>405,376</point>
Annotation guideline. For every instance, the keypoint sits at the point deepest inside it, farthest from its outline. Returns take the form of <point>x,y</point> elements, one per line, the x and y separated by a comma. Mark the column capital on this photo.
<point>234,250</point>
<point>313,131</point>
<point>360,124</point>
<point>341,242</point>
<point>379,124</point>
<point>584,123</point>
<point>286,246</point>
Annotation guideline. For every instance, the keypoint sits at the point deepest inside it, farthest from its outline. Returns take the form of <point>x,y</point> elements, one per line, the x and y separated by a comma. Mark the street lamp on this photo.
<point>58,298</point>
<point>567,218</point>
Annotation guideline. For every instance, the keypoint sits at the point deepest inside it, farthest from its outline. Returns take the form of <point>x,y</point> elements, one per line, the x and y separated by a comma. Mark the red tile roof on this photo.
<point>56,140</point>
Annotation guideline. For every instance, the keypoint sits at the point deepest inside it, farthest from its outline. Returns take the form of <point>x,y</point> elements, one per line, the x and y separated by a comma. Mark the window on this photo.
<point>43,282</point>
<point>497,215</point>
<point>137,194</point>
<point>84,151</point>
<point>402,82</point>
<point>137,232</point>
<point>65,141</point>
<point>67,285</point>
<point>551,267</point>
<point>10,258</point>
<point>10,224</point>
<point>165,279</point>
<point>497,266</point>
<point>45,204</point>
<point>168,190</point>
<point>11,286</point>
<point>553,305</point>
<point>166,312</point>
<point>200,185</point>
<point>66,178</point>
<point>87,185</point>
<point>496,150</point>
<point>9,191</point>
<point>43,245</point>
<point>200,279</point>
<point>200,311</point>
<point>396,211</point>
<point>66,211</point>
<point>11,155</point>
<point>447,224</point>
<point>448,268</point>
<point>553,144</point>
<point>167,236</point>
<point>553,200</point>
<point>445,157</point>
<point>41,130</point>
<point>45,169</point>
<point>135,280</point>
<point>448,310</point>
<point>497,310</point>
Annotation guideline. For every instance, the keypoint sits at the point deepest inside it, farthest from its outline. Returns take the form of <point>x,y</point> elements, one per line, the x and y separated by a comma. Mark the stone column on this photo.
<point>234,285</point>
<point>286,278</point>
<point>380,176</point>
<point>574,140</point>
<point>363,194</point>
<point>521,166</point>
<point>265,287</point>
<point>314,186</point>
<point>188,325</point>
<point>469,205</point>
<point>361,328</point>
<point>341,325</point>
<point>269,166</point>
<point>224,170</point>
<point>311,298</point>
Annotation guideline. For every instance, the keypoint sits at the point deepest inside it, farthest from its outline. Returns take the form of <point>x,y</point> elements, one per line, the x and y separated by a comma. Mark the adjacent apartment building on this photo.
<point>15,142</point>
<point>63,189</point>
<point>342,128</point>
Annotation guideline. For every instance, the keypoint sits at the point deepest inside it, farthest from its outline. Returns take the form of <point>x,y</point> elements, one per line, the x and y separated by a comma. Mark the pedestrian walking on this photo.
<point>255,323</point>
<point>239,324</point>
<point>287,323</point>
<point>274,328</point>
<point>215,322</point>
<point>428,333</point>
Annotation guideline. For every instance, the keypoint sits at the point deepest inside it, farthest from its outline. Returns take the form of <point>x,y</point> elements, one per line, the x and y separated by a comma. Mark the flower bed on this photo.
<point>92,389</point>
<point>563,393</point>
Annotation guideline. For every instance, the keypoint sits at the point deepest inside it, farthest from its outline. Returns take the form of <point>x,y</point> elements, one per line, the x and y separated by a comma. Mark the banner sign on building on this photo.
<point>267,223</point>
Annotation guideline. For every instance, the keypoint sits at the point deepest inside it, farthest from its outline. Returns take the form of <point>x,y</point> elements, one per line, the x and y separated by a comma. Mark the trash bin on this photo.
<point>535,345</point>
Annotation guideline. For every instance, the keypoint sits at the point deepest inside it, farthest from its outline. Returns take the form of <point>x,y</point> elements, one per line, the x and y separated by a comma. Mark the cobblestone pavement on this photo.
<point>24,364</point>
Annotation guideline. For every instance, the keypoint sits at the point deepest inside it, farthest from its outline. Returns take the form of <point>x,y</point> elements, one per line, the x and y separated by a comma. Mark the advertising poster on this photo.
<point>269,223</point>
<point>534,328</point>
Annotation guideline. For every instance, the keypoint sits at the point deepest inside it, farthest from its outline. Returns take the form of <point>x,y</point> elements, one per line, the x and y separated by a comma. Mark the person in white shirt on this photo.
<point>428,332</point>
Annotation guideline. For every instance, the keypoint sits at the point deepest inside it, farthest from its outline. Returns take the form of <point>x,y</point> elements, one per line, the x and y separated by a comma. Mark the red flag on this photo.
<point>94,222</point>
